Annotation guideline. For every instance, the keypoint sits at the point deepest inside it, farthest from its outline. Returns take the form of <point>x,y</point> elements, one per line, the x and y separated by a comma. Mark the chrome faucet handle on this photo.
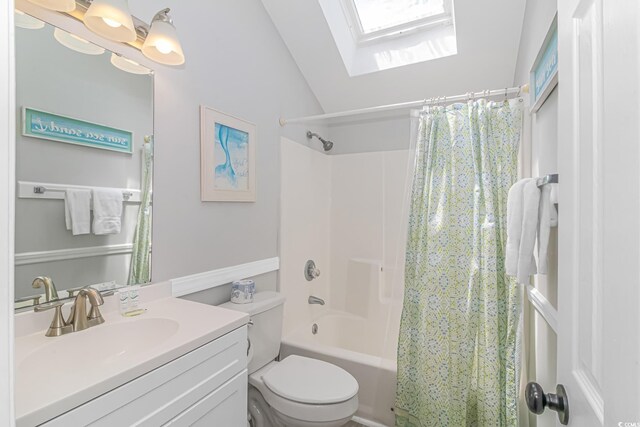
<point>58,325</point>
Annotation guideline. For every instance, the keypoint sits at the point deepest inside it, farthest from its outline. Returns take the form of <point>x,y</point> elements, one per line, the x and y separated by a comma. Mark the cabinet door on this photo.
<point>226,406</point>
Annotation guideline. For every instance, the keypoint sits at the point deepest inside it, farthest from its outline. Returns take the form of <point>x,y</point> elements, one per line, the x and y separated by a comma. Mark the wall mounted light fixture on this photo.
<point>162,44</point>
<point>112,20</point>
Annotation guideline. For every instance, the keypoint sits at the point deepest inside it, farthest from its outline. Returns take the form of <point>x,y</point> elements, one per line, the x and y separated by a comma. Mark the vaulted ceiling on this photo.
<point>488,36</point>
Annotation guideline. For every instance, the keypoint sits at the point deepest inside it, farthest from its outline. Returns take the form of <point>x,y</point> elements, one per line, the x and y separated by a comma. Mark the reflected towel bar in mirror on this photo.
<point>126,195</point>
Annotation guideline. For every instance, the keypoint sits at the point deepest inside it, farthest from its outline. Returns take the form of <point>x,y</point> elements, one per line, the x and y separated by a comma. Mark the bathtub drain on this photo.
<point>314,329</point>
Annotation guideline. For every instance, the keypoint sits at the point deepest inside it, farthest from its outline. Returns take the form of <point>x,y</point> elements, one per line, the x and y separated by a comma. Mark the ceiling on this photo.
<point>488,36</point>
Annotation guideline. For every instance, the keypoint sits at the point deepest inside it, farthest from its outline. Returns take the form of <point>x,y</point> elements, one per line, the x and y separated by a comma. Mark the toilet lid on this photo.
<point>307,380</point>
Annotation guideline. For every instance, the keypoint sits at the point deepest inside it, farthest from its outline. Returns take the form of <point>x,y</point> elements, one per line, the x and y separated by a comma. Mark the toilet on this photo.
<point>296,391</point>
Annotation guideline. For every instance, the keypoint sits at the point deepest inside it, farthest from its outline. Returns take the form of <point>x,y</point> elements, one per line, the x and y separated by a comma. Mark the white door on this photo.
<point>599,231</point>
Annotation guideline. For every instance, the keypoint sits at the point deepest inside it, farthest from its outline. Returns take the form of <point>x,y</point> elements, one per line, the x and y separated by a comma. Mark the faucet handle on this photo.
<point>57,324</point>
<point>95,299</point>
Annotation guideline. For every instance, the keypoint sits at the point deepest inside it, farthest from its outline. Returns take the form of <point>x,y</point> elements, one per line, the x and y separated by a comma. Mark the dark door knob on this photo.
<point>537,400</point>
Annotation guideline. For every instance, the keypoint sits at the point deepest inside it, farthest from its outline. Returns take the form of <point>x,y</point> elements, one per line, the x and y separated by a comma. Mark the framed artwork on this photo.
<point>544,74</point>
<point>54,127</point>
<point>227,158</point>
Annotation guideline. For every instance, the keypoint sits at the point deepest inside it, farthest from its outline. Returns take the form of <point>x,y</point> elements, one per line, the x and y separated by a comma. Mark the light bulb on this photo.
<point>112,23</point>
<point>163,46</point>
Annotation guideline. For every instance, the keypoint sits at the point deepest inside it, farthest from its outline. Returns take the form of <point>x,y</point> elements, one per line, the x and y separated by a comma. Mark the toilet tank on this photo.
<point>265,333</point>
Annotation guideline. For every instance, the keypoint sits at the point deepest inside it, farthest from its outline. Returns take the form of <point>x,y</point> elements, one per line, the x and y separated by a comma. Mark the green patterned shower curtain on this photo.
<point>458,351</point>
<point>140,269</point>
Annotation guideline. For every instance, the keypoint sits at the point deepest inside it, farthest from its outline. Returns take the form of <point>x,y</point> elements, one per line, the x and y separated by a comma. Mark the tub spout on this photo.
<point>316,300</point>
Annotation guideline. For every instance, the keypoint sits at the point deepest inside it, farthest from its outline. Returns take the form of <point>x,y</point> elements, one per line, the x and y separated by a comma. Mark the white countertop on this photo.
<point>57,374</point>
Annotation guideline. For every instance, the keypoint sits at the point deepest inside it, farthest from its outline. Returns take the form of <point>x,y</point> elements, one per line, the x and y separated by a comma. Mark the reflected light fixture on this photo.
<point>126,64</point>
<point>59,5</point>
<point>76,43</point>
<point>162,44</point>
<point>27,22</point>
<point>111,19</point>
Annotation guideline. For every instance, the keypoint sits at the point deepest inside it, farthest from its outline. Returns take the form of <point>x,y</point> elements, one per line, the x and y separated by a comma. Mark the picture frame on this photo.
<point>543,77</point>
<point>227,157</point>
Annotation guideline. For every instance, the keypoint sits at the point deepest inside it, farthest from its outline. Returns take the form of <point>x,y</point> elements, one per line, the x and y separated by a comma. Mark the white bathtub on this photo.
<point>348,341</point>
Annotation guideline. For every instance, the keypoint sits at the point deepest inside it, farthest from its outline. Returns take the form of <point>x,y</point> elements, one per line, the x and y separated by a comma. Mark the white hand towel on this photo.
<point>548,217</point>
<point>526,260</point>
<point>77,211</point>
<point>107,211</point>
<point>514,226</point>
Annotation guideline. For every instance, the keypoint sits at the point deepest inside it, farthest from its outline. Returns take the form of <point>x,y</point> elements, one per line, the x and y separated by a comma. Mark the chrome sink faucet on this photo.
<point>78,319</point>
<point>315,300</point>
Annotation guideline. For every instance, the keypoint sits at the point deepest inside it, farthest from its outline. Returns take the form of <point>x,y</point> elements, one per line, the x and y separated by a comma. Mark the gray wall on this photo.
<point>53,78</point>
<point>539,152</point>
<point>236,62</point>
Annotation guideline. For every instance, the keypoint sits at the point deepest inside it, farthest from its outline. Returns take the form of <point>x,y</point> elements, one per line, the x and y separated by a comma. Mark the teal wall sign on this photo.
<point>544,74</point>
<point>39,124</point>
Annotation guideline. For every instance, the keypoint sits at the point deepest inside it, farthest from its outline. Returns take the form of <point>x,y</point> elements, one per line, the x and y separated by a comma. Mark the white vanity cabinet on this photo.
<point>207,386</point>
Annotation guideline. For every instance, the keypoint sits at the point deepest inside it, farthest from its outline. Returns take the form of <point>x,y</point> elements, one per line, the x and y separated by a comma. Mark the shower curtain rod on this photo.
<point>412,104</point>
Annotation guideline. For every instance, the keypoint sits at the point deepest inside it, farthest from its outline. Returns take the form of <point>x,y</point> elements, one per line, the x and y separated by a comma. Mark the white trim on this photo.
<point>543,306</point>
<point>214,278</point>
<point>26,258</point>
<point>7,213</point>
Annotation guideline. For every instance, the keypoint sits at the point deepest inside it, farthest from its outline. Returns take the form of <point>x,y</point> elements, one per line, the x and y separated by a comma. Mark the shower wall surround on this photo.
<point>348,214</point>
<point>242,75</point>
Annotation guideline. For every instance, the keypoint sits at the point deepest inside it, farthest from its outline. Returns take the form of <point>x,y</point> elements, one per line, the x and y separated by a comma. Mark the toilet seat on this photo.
<point>313,381</point>
<point>321,394</point>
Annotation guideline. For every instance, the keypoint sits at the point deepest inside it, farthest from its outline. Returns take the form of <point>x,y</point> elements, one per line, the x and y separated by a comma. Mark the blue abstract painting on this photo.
<point>231,152</point>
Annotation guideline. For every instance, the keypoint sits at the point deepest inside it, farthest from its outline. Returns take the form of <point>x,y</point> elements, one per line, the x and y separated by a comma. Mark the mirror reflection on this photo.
<point>84,152</point>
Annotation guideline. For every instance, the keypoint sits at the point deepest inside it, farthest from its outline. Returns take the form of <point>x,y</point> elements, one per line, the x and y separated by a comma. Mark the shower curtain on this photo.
<point>458,351</point>
<point>140,269</point>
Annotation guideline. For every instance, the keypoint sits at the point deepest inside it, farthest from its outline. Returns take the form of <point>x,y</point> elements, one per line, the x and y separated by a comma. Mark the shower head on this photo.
<point>328,145</point>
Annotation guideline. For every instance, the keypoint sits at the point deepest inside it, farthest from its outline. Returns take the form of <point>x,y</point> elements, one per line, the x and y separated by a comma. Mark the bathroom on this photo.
<point>334,114</point>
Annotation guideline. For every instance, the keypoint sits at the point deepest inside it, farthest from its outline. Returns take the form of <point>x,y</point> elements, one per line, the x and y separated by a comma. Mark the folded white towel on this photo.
<point>547,218</point>
<point>107,211</point>
<point>526,260</point>
<point>514,226</point>
<point>77,211</point>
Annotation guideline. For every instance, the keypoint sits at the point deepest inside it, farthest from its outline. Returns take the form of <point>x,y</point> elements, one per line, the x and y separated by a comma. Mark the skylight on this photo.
<point>375,15</point>
<point>376,35</point>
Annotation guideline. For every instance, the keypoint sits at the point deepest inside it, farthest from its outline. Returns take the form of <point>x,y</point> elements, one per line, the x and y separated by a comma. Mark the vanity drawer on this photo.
<point>164,393</point>
<point>226,406</point>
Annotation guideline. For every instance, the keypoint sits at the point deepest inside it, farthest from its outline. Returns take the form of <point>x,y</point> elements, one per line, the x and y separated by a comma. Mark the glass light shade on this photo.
<point>162,44</point>
<point>59,5</point>
<point>76,43</point>
<point>27,22</point>
<point>111,19</point>
<point>128,65</point>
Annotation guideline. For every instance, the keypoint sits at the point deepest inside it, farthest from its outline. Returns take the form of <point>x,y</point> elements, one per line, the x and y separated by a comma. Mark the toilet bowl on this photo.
<point>307,392</point>
<point>296,391</point>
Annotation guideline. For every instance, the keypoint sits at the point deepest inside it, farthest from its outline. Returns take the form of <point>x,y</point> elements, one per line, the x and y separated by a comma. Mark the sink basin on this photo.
<point>99,345</point>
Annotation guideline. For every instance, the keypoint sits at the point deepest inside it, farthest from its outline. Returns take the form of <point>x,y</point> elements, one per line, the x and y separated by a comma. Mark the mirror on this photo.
<point>84,155</point>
